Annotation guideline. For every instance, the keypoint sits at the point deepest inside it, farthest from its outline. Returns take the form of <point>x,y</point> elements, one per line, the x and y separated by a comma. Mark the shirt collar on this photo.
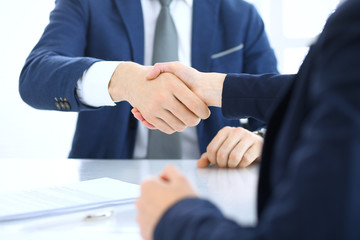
<point>188,2</point>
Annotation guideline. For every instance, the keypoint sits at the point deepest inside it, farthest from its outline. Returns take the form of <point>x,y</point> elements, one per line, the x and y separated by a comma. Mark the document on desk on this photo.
<point>91,194</point>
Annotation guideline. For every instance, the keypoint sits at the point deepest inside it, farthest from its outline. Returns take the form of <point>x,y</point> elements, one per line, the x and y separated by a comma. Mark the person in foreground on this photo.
<point>309,176</point>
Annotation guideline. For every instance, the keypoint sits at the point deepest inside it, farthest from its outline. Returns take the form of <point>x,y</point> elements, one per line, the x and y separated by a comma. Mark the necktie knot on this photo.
<point>165,3</point>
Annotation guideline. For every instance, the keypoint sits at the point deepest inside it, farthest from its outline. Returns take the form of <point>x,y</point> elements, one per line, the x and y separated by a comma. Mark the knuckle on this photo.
<point>192,121</point>
<point>172,84</point>
<point>234,160</point>
<point>239,131</point>
<point>235,157</point>
<point>211,149</point>
<point>246,160</point>
<point>152,109</point>
<point>227,128</point>
<point>181,128</point>
<point>232,164</point>
<point>168,131</point>
<point>160,97</point>
<point>221,155</point>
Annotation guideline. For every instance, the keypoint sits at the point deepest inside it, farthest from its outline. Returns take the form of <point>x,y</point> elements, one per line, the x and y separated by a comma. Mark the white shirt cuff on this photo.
<point>92,87</point>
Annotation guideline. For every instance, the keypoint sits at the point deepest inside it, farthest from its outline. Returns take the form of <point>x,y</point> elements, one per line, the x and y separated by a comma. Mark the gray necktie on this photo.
<point>162,145</point>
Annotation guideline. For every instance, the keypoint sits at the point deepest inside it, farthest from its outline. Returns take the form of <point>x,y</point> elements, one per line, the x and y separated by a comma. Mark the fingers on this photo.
<point>252,155</point>
<point>187,101</point>
<point>215,144</point>
<point>169,122</point>
<point>139,117</point>
<point>171,105</point>
<point>193,103</point>
<point>233,147</point>
<point>157,69</point>
<point>203,162</point>
<point>236,155</point>
<point>186,74</point>
<point>187,116</point>
<point>137,114</point>
<point>168,115</point>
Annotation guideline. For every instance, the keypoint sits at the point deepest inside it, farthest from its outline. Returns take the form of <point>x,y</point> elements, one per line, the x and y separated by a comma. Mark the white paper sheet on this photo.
<point>68,198</point>
<point>69,235</point>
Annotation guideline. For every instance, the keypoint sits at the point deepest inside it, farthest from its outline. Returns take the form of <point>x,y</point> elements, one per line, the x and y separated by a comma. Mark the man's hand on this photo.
<point>159,194</point>
<point>208,86</point>
<point>139,117</point>
<point>166,103</point>
<point>233,148</point>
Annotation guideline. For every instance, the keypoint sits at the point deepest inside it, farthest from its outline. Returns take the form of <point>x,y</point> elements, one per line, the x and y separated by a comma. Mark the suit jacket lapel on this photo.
<point>132,16</point>
<point>205,16</point>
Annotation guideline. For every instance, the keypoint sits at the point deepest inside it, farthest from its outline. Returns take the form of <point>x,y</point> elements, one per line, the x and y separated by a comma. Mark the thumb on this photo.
<point>154,73</point>
<point>157,69</point>
<point>203,162</point>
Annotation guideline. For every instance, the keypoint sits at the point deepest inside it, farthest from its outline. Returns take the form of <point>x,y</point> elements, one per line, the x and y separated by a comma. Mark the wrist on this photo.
<point>211,88</point>
<point>115,92</point>
<point>122,82</point>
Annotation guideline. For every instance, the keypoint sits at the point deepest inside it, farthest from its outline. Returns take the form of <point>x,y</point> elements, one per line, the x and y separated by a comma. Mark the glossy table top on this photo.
<point>232,190</point>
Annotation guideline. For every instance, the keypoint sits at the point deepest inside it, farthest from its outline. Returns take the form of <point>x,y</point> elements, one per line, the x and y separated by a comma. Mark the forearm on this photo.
<point>246,95</point>
<point>47,76</point>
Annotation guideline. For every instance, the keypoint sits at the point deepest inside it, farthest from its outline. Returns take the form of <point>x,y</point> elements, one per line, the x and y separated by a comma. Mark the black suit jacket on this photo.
<point>309,184</point>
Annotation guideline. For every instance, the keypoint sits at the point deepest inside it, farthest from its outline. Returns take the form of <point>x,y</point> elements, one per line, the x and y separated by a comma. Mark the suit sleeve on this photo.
<point>253,95</point>
<point>193,218</point>
<point>259,57</point>
<point>57,62</point>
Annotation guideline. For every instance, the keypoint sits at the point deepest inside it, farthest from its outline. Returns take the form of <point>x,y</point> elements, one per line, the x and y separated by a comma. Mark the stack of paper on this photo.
<point>69,198</point>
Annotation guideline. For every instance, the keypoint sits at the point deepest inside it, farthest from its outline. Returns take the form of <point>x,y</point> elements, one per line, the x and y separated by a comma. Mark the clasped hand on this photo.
<point>231,147</point>
<point>167,103</point>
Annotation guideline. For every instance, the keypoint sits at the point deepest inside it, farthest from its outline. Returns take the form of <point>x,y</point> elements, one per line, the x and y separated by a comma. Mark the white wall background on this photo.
<point>26,132</point>
<point>29,133</point>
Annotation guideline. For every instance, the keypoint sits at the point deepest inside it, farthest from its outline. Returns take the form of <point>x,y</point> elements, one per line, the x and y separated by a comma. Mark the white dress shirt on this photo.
<point>92,88</point>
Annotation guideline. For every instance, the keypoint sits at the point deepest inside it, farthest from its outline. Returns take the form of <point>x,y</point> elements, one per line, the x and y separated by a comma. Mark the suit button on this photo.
<point>67,104</point>
<point>57,104</point>
<point>62,105</point>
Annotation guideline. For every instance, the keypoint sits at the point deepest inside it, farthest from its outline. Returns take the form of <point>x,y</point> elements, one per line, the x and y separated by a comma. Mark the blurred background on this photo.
<point>292,25</point>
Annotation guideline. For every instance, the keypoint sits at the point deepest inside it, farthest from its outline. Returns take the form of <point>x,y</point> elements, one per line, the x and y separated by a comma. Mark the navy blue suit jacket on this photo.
<point>82,32</point>
<point>309,185</point>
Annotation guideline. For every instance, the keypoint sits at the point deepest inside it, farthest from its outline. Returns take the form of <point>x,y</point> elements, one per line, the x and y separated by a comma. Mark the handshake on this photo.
<point>167,96</point>
<point>172,96</point>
